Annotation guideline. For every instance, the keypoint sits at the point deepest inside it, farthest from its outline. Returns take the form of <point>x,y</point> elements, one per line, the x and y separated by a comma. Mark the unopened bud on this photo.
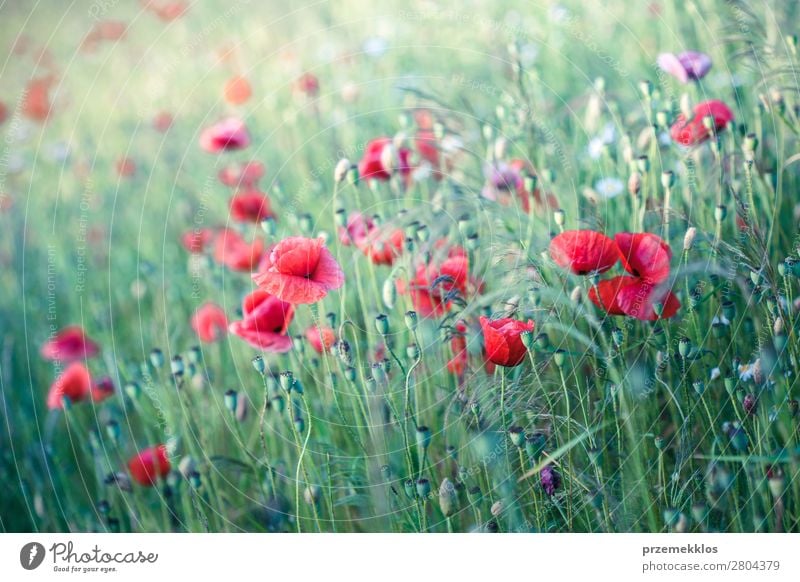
<point>340,171</point>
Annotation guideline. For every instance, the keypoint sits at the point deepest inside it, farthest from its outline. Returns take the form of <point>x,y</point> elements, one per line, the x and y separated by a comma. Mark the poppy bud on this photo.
<point>287,379</point>
<point>423,436</point>
<point>699,387</point>
<point>542,341</point>
<point>750,143</point>
<point>340,171</point>
<point>306,223</point>
<point>408,487</point>
<point>667,179</point>
<point>500,148</point>
<point>382,324</point>
<point>423,488</point>
<point>231,400</point>
<point>517,436</point>
<point>422,232</point>
<point>643,164</point>
<point>352,175</point>
<point>299,424</point>
<point>559,217</point>
<point>534,445</point>
<point>777,484</point>
<point>559,358</point>
<point>448,497</point>
<point>688,238</point>
<point>549,176</point>
<point>662,119</point>
<point>156,358</point>
<point>312,494</point>
<point>634,183</point>
<point>528,339</point>
<point>411,320</point>
<point>686,106</point>
<point>389,293</point>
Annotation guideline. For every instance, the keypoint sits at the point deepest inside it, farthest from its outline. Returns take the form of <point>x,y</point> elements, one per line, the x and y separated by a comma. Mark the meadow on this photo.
<point>348,266</point>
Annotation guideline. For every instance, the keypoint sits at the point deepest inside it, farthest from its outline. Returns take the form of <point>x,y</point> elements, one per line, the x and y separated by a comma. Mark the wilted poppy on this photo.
<point>644,255</point>
<point>237,90</point>
<point>251,206</point>
<point>234,252</point>
<point>265,322</point>
<point>244,176</point>
<point>149,464</point>
<point>502,340</point>
<point>227,135</point>
<point>300,270</point>
<point>210,323</point>
<point>584,251</point>
<point>695,131</point>
<point>321,341</point>
<point>70,343</point>
<point>74,383</point>
<point>686,66</point>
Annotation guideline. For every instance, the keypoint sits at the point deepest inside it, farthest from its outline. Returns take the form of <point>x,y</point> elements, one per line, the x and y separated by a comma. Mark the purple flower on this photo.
<point>550,479</point>
<point>749,403</point>
<point>687,66</point>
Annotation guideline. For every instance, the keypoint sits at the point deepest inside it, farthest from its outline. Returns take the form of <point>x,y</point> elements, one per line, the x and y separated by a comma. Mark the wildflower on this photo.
<point>250,206</point>
<point>433,288</point>
<point>265,322</point>
<point>584,251</point>
<point>686,66</point>
<point>74,383</point>
<point>357,228</point>
<point>644,255</point>
<point>227,135</point>
<point>244,176</point>
<point>605,293</point>
<point>300,270</point>
<point>321,339</point>
<point>373,164</point>
<point>210,323</point>
<point>237,90</point>
<point>694,131</point>
<point>306,84</point>
<point>70,343</point>
<point>102,389</point>
<point>126,167</point>
<point>149,464</point>
<point>647,301</point>
<point>502,340</point>
<point>382,246</point>
<point>231,250</point>
<point>609,187</point>
<point>197,241</point>
<point>550,479</point>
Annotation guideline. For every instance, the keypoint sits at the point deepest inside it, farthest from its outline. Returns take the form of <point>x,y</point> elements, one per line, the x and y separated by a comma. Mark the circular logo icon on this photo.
<point>31,555</point>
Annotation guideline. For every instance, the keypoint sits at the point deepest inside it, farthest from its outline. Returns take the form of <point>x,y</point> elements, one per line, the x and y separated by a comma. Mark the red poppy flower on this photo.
<point>639,298</point>
<point>74,383</point>
<point>457,365</point>
<point>644,255</point>
<point>163,121</point>
<point>694,131</point>
<point>197,241</point>
<point>502,340</point>
<point>584,251</point>
<point>265,321</point>
<point>541,202</point>
<point>432,288</point>
<point>244,176</point>
<point>252,206</point>
<point>328,338</point>
<point>71,343</point>
<point>231,250</point>
<point>307,84</point>
<point>126,167</point>
<point>381,247</point>
<point>237,90</point>
<point>210,323</point>
<point>357,228</point>
<point>36,101</point>
<point>371,166</point>
<point>604,294</point>
<point>150,464</point>
<point>300,270</point>
<point>426,144</point>
<point>227,135</point>
<point>102,389</point>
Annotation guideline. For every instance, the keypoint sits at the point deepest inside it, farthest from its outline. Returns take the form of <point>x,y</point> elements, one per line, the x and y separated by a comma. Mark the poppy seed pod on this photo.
<point>231,400</point>
<point>643,164</point>
<point>448,497</point>
<point>542,341</point>
<point>684,346</point>
<point>517,436</point>
<point>667,179</point>
<point>423,488</point>
<point>382,324</point>
<point>423,436</point>
<point>528,339</point>
<point>560,358</point>
<point>411,320</point>
<point>156,358</point>
<point>176,366</point>
<point>646,87</point>
<point>720,213</point>
<point>287,380</point>
<point>559,217</point>
<point>132,390</point>
<point>269,226</point>
<point>534,445</point>
<point>299,424</point>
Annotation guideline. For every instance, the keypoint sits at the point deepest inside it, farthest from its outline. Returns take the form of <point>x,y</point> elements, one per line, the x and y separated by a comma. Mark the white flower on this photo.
<point>609,187</point>
<point>596,145</point>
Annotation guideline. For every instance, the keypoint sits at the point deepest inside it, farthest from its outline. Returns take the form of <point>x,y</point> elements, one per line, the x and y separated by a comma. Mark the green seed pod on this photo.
<point>382,324</point>
<point>299,424</point>
<point>528,339</point>
<point>646,87</point>
<point>410,490</point>
<point>132,390</point>
<point>660,443</point>
<point>423,436</point>
<point>542,342</point>
<point>413,352</point>
<point>350,374</point>
<point>474,495</point>
<point>306,223</point>
<point>534,445</point>
<point>423,488</point>
<point>529,182</point>
<point>684,346</point>
<point>279,404</point>
<point>195,480</point>
<point>287,379</point>
<point>643,164</point>
<point>231,400</point>
<point>517,436</point>
<point>729,310</point>
<point>720,213</point>
<point>699,387</point>
<point>448,498</point>
<point>411,320</point>
<point>667,179</point>
<point>269,226</point>
<point>559,217</point>
<point>560,358</point>
<point>195,355</point>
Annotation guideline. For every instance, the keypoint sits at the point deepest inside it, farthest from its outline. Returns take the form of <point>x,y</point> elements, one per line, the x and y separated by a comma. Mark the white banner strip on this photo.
<point>388,557</point>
